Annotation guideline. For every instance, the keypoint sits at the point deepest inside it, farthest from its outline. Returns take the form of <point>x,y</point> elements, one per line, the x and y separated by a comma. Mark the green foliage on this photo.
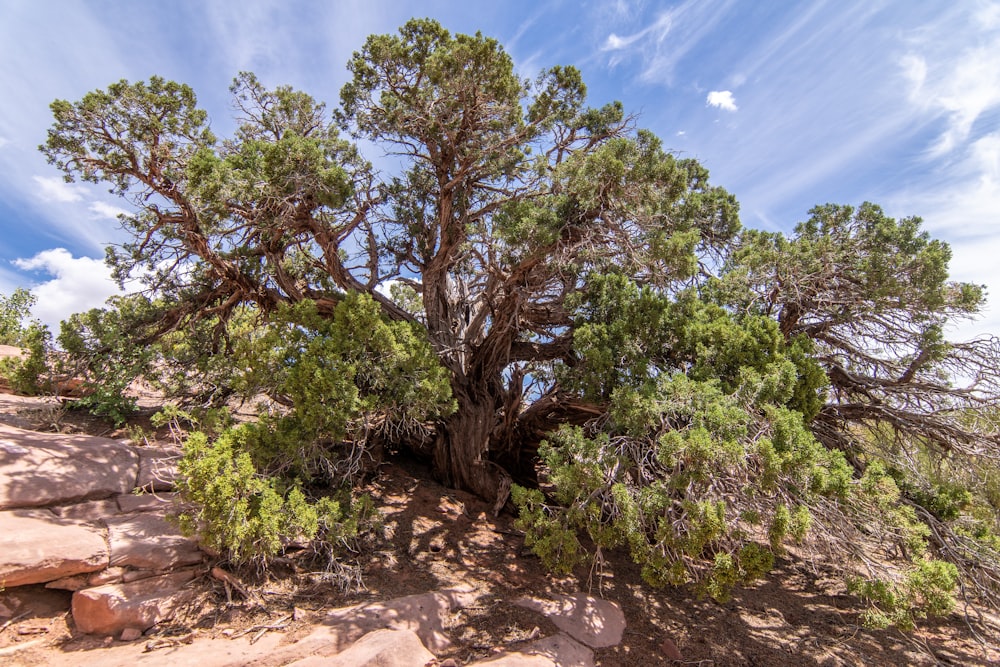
<point>348,378</point>
<point>29,374</point>
<point>104,349</point>
<point>250,517</point>
<point>927,590</point>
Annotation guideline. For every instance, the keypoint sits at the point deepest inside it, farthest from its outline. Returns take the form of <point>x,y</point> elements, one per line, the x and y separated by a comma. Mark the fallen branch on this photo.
<point>261,630</point>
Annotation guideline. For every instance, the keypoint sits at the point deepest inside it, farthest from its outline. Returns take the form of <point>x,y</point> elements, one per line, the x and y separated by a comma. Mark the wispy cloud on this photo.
<point>672,35</point>
<point>723,99</point>
<point>105,210</point>
<point>4,141</point>
<point>77,284</point>
<point>53,188</point>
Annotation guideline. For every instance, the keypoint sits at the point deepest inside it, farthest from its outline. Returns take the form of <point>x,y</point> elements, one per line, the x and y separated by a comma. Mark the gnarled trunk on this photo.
<point>462,447</point>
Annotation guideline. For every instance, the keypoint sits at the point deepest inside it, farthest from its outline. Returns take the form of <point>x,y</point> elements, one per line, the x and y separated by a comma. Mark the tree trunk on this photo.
<point>462,446</point>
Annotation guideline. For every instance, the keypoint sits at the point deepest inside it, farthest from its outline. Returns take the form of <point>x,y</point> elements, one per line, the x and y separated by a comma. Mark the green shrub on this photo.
<point>249,517</point>
<point>927,590</point>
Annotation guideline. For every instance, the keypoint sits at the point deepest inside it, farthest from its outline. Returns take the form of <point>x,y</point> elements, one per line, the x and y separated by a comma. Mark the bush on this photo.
<point>926,590</point>
<point>249,517</point>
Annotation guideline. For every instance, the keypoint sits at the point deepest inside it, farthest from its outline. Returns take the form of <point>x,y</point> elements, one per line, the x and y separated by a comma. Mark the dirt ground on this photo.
<point>438,538</point>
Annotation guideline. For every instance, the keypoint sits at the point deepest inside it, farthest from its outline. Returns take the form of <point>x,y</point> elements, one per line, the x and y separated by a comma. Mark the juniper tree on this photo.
<point>588,296</point>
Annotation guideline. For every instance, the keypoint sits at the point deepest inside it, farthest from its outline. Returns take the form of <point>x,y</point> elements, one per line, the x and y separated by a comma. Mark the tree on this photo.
<point>510,195</point>
<point>589,297</point>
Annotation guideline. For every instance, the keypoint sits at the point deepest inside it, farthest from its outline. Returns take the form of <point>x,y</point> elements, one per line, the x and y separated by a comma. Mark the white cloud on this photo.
<point>56,189</point>
<point>658,30</point>
<point>78,284</point>
<point>104,210</point>
<point>722,99</point>
<point>664,42</point>
<point>960,84</point>
<point>4,141</point>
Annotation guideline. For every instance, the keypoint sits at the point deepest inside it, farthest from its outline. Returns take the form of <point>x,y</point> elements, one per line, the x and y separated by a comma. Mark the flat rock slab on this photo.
<point>381,648</point>
<point>109,609</point>
<point>147,502</point>
<point>148,541</point>
<point>595,622</point>
<point>38,469</point>
<point>37,547</point>
<point>424,614</point>
<point>157,468</point>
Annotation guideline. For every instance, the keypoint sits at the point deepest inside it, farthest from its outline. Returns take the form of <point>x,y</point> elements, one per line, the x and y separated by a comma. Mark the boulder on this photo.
<point>110,609</point>
<point>381,648</point>
<point>595,622</point>
<point>149,541</point>
<point>38,547</point>
<point>39,469</point>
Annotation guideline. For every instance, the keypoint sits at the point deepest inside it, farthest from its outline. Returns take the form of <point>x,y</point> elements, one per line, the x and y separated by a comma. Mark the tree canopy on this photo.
<point>553,286</point>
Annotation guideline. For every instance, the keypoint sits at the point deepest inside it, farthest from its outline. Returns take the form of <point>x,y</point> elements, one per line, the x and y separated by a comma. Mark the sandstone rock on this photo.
<point>595,622</point>
<point>92,510</point>
<point>130,503</point>
<point>111,608</point>
<point>424,614</point>
<point>130,634</point>
<point>381,648</point>
<point>157,469</point>
<point>35,548</point>
<point>112,575</point>
<point>74,583</point>
<point>563,650</point>
<point>516,659</point>
<point>38,469</point>
<point>149,541</point>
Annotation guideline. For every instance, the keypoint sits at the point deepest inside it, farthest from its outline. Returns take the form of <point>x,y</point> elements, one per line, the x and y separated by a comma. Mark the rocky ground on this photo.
<point>446,584</point>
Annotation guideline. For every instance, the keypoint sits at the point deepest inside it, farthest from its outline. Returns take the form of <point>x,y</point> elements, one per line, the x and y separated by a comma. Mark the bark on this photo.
<point>462,447</point>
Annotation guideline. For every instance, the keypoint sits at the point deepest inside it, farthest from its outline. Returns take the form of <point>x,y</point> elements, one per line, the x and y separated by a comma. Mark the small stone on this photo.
<point>131,634</point>
<point>449,662</point>
<point>669,649</point>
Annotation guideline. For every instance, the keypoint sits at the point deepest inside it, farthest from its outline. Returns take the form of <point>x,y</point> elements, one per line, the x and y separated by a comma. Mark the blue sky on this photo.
<point>788,104</point>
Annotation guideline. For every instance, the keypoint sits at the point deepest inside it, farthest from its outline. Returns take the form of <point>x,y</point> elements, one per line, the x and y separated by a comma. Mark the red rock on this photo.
<point>425,614</point>
<point>149,541</point>
<point>37,547</point>
<point>38,469</point>
<point>74,583</point>
<point>516,659</point>
<point>381,648</point>
<point>109,609</point>
<point>91,510</point>
<point>157,468</point>
<point>112,575</point>
<point>146,502</point>
<point>670,650</point>
<point>562,650</point>
<point>595,622</point>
